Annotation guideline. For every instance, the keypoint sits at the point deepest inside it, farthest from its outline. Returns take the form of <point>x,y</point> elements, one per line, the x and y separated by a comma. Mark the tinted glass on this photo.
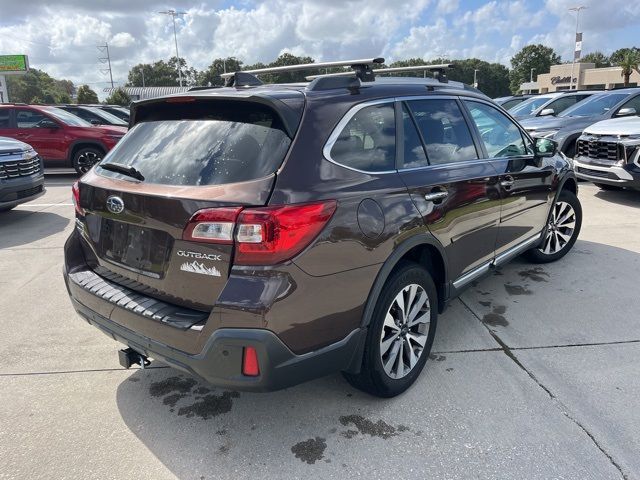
<point>528,106</point>
<point>368,141</point>
<point>501,137</point>
<point>66,117</point>
<point>229,146</point>
<point>414,155</point>
<point>561,104</point>
<point>4,118</point>
<point>106,116</point>
<point>29,118</point>
<point>595,105</point>
<point>633,103</point>
<point>446,135</point>
<point>509,104</point>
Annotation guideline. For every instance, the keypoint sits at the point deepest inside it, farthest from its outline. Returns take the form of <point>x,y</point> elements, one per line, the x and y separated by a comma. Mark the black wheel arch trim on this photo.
<point>387,267</point>
<point>89,143</point>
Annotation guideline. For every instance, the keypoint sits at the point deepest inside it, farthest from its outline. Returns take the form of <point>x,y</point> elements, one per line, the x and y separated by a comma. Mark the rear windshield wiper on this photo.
<point>124,169</point>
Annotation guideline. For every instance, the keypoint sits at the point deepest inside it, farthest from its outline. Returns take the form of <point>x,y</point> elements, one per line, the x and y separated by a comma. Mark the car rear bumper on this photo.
<point>220,362</point>
<point>19,190</point>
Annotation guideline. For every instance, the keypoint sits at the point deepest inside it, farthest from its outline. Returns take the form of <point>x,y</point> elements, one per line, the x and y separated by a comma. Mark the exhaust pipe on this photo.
<point>129,356</point>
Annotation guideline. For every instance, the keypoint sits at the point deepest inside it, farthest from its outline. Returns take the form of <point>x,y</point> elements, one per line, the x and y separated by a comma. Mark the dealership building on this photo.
<point>585,77</point>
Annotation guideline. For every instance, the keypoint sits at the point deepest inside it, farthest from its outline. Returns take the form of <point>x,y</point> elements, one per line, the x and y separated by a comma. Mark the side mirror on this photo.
<point>545,147</point>
<point>95,122</point>
<point>626,112</point>
<point>46,123</point>
<point>547,111</point>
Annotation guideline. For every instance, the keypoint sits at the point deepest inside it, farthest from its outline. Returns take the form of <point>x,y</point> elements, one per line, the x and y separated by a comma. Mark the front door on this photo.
<point>525,181</point>
<point>31,128</point>
<point>455,191</point>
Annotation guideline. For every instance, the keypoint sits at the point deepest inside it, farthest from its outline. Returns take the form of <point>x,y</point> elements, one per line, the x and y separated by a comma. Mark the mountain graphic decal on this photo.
<point>197,267</point>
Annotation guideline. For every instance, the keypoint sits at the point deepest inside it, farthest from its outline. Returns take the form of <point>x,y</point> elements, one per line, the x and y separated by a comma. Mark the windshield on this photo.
<point>529,106</point>
<point>595,105</point>
<point>245,144</point>
<point>66,117</point>
<point>108,117</point>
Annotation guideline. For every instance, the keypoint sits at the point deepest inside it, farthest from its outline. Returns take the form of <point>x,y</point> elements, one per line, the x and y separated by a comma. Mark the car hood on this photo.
<point>11,145</point>
<point>111,129</point>
<point>616,126</point>
<point>558,123</point>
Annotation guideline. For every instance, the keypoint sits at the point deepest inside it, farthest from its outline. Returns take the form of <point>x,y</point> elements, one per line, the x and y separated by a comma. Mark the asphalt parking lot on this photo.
<point>534,374</point>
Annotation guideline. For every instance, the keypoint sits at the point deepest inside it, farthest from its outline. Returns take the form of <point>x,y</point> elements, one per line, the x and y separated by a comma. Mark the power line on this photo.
<point>105,49</point>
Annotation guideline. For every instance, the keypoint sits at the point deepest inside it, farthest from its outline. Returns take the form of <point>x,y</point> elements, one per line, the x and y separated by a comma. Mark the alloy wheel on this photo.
<point>88,159</point>
<point>560,228</point>
<point>405,330</point>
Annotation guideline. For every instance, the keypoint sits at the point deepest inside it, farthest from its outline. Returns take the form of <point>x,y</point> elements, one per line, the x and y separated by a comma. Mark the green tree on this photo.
<point>618,56</point>
<point>629,63</point>
<point>64,98</point>
<point>211,76</point>
<point>161,74</point>
<point>538,57</point>
<point>119,97</point>
<point>86,95</point>
<point>599,58</point>
<point>36,84</point>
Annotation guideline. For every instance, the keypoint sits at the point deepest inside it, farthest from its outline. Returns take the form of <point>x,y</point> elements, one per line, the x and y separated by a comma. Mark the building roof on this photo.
<point>148,92</point>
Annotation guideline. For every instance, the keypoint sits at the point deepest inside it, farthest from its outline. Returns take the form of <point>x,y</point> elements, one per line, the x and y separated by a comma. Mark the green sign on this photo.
<point>13,64</point>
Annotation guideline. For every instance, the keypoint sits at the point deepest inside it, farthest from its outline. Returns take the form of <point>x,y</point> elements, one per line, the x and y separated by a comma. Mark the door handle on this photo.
<point>436,196</point>
<point>507,181</point>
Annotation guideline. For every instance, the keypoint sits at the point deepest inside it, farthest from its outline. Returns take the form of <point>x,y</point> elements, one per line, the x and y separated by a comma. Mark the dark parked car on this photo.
<point>60,138</point>
<point>550,104</point>
<point>121,112</point>
<point>568,126</point>
<point>21,174</point>
<point>257,236</point>
<point>94,115</point>
<point>511,101</point>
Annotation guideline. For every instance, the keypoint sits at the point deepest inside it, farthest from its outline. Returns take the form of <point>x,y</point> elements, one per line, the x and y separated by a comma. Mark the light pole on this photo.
<point>475,77</point>
<point>531,75</point>
<point>172,13</point>
<point>573,63</point>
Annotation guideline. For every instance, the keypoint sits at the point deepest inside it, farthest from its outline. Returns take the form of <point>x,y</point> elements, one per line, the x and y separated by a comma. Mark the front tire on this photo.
<point>85,158</point>
<point>400,334</point>
<point>563,228</point>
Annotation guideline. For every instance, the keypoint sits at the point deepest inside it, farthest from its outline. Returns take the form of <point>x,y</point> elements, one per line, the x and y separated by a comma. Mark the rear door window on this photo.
<point>368,140</point>
<point>226,142</point>
<point>414,156</point>
<point>29,118</point>
<point>445,132</point>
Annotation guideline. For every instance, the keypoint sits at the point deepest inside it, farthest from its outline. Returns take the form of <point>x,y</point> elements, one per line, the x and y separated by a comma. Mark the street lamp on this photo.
<point>475,77</point>
<point>573,63</point>
<point>531,75</point>
<point>172,13</point>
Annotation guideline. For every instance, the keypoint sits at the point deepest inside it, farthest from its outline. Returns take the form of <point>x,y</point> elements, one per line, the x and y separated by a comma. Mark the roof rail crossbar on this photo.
<point>438,71</point>
<point>362,68</point>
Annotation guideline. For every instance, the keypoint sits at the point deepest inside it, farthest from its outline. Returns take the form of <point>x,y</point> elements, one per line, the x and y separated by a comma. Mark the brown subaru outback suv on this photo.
<point>257,236</point>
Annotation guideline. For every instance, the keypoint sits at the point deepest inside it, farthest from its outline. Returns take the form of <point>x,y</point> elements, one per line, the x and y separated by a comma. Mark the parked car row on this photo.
<point>599,130</point>
<point>64,136</point>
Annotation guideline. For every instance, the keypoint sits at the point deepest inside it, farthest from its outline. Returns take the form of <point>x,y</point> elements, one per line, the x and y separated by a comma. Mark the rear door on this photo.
<point>455,191</point>
<point>224,157</point>
<point>525,182</point>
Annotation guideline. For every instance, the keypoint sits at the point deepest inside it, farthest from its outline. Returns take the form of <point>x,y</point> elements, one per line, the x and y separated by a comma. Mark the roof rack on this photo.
<point>362,68</point>
<point>438,70</point>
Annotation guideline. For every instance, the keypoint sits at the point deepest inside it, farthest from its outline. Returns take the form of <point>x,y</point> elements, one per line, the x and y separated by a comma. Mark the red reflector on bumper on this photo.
<point>250,367</point>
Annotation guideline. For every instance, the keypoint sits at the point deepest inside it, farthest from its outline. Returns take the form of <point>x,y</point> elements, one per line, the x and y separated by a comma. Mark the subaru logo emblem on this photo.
<point>115,204</point>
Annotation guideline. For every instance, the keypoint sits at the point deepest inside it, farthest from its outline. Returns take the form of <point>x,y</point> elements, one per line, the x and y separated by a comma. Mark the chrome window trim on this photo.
<point>326,150</point>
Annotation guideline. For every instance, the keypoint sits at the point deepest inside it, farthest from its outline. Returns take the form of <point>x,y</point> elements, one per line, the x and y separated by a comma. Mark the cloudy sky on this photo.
<point>62,39</point>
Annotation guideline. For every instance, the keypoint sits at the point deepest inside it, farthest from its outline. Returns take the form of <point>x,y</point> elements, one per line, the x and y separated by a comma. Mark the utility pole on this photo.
<point>172,13</point>
<point>105,49</point>
<point>475,77</point>
<point>142,72</point>
<point>575,45</point>
<point>531,75</point>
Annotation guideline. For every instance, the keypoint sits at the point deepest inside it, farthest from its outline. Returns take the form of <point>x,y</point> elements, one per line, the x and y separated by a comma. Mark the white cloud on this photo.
<point>122,40</point>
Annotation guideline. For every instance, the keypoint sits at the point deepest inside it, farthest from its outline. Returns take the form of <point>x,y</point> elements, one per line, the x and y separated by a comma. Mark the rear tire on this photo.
<point>399,338</point>
<point>604,186</point>
<point>85,158</point>
<point>563,228</point>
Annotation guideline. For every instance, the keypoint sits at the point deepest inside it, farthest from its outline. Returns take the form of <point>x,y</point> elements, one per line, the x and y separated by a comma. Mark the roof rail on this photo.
<point>437,69</point>
<point>362,69</point>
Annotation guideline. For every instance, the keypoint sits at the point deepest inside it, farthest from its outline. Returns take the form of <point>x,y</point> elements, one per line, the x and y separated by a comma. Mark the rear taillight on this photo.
<point>263,236</point>
<point>213,225</point>
<point>250,366</point>
<point>75,195</point>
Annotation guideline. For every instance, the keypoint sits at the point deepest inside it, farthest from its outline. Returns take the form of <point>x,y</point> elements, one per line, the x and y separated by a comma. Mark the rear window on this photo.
<point>595,105</point>
<point>226,143</point>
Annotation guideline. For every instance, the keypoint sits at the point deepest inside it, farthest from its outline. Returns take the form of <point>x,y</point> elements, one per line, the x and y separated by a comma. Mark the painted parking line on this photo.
<point>45,205</point>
